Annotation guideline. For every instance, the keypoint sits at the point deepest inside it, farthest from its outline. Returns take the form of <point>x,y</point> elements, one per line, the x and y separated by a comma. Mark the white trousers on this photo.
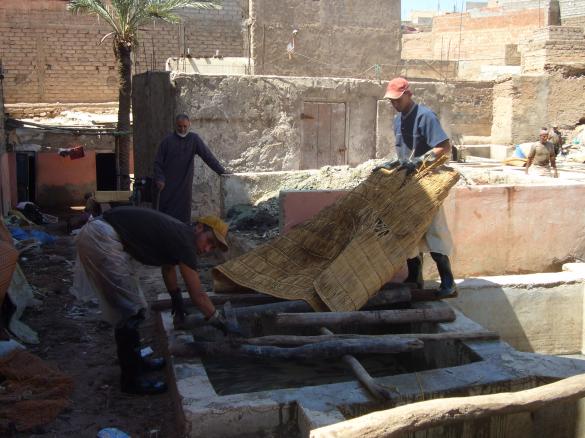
<point>105,270</point>
<point>437,238</point>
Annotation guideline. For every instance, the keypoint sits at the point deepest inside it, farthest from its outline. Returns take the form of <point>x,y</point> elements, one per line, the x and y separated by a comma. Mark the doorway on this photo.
<point>105,171</point>
<point>26,181</point>
<point>323,135</point>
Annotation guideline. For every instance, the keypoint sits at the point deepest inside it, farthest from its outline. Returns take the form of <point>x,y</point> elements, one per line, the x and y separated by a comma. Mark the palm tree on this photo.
<point>125,18</point>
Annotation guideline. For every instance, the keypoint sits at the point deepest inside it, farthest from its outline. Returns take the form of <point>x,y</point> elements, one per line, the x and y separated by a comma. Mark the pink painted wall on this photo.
<point>61,181</point>
<point>297,207</point>
<point>496,229</point>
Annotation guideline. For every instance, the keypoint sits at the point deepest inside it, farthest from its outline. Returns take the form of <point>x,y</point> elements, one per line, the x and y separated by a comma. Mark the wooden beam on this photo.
<point>292,340</point>
<point>369,318</point>
<point>407,419</point>
<point>322,350</point>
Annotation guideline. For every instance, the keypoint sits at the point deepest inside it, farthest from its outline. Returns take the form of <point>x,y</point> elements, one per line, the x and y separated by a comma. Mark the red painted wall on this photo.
<point>61,181</point>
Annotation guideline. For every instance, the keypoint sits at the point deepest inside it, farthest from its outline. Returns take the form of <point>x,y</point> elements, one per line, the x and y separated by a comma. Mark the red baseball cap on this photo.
<point>396,88</point>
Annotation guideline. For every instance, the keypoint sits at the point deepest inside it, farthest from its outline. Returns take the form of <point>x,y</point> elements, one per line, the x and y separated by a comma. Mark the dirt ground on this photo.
<point>75,340</point>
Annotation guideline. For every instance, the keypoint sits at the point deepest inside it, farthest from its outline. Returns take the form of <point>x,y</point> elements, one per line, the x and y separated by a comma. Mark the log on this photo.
<point>323,350</point>
<point>220,299</point>
<point>396,294</point>
<point>370,318</point>
<point>292,340</point>
<point>367,381</point>
<point>410,418</point>
<point>384,298</point>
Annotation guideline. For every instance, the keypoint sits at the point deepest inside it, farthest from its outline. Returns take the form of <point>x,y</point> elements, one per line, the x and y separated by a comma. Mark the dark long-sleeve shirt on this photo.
<point>173,165</point>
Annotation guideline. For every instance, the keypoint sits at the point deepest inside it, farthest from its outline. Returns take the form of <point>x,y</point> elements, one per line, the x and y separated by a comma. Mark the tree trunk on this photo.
<point>323,350</point>
<point>364,317</point>
<point>123,54</point>
<point>414,417</point>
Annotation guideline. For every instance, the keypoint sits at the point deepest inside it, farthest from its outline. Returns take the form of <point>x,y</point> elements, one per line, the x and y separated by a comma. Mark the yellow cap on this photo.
<point>219,227</point>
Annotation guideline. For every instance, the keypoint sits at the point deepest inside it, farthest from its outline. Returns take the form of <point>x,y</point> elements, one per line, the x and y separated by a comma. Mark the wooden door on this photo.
<point>322,135</point>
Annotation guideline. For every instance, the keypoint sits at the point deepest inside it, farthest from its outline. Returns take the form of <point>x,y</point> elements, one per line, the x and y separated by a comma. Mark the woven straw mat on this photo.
<point>343,255</point>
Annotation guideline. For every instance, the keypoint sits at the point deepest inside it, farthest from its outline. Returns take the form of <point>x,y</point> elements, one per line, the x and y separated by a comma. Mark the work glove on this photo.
<point>415,163</point>
<point>219,321</point>
<point>177,306</point>
<point>388,165</point>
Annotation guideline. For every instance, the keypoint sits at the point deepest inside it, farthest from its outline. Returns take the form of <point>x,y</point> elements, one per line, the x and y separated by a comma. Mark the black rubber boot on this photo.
<point>153,364</point>
<point>132,380</point>
<point>415,271</point>
<point>448,289</point>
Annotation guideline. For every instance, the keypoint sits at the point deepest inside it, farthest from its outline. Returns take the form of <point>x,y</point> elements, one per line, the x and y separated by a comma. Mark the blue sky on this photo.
<point>445,5</point>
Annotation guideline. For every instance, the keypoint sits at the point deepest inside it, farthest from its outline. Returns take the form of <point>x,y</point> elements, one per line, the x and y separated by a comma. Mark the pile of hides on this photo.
<point>32,393</point>
<point>342,256</point>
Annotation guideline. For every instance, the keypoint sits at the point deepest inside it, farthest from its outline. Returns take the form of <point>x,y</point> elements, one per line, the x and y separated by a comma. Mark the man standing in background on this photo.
<point>173,174</point>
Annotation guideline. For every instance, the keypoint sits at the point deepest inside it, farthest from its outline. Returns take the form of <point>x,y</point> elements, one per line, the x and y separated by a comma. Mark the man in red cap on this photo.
<point>420,138</point>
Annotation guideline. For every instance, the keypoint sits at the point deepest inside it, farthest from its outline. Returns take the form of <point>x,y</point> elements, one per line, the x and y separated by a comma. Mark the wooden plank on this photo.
<point>323,350</point>
<point>324,135</point>
<point>338,146</point>
<point>309,135</point>
<point>408,419</point>
<point>371,318</point>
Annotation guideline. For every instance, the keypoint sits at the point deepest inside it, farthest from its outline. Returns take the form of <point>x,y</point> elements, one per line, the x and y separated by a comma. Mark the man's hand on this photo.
<point>177,306</point>
<point>219,321</point>
<point>160,185</point>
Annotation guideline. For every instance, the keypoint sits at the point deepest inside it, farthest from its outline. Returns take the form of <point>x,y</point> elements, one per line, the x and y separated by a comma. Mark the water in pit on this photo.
<point>243,375</point>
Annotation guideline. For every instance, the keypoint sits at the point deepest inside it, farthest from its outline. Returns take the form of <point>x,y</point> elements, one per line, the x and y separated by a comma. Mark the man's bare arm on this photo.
<point>198,296</point>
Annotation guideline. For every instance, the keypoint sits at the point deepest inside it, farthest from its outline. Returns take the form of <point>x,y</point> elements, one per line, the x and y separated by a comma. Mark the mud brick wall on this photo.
<point>336,38</point>
<point>572,11</point>
<point>474,38</point>
<point>523,104</point>
<point>50,55</point>
<point>553,45</point>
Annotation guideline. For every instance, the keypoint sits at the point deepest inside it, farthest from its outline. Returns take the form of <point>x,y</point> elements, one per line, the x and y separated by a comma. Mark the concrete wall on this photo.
<point>335,37</point>
<point>50,55</point>
<point>496,229</point>
<point>253,123</point>
<point>540,313</point>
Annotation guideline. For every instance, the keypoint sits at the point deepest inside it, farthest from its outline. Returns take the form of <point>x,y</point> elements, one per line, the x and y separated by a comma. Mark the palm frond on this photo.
<point>93,7</point>
<point>164,9</point>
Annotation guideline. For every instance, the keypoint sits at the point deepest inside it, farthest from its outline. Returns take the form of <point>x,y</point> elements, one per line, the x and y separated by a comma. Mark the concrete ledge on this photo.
<point>536,313</point>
